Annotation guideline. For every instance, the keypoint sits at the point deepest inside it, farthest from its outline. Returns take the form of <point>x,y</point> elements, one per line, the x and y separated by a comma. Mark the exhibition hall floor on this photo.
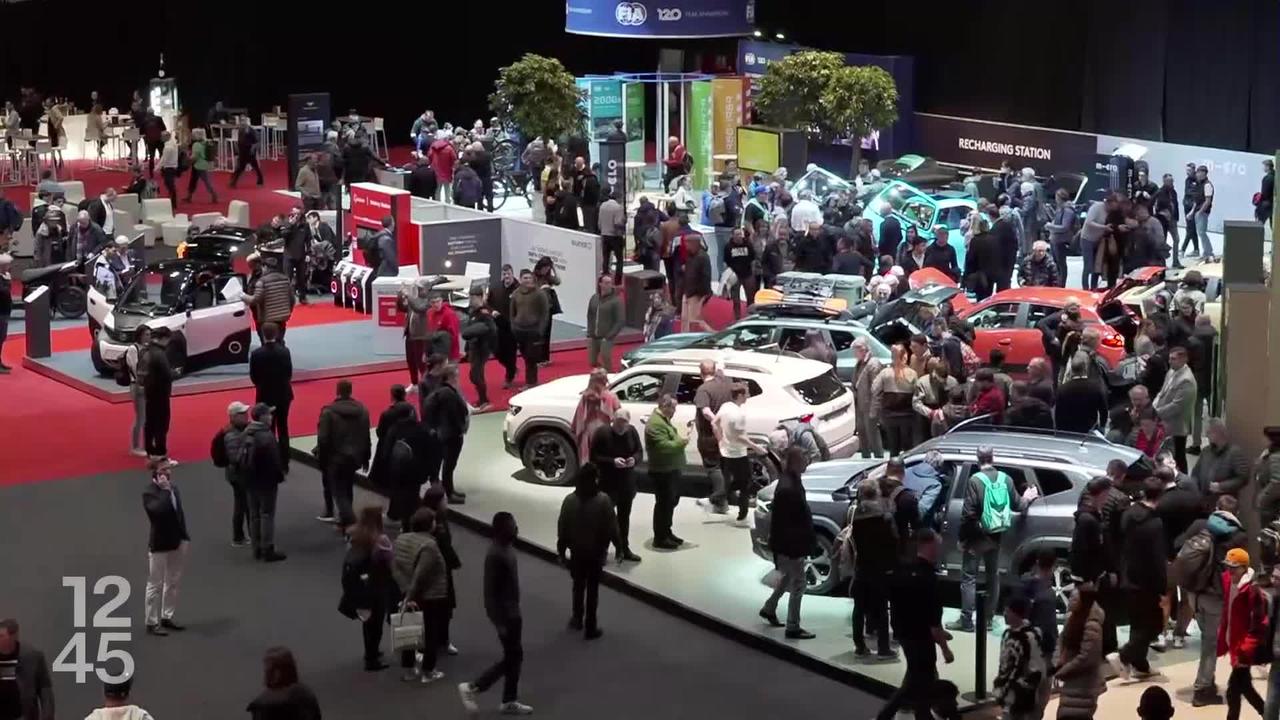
<point>648,665</point>
<point>715,574</point>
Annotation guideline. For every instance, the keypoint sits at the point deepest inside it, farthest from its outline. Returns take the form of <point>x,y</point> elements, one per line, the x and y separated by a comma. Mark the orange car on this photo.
<point>1007,320</point>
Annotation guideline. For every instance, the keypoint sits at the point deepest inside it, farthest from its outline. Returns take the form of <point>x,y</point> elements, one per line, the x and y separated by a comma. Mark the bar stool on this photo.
<point>133,137</point>
<point>380,129</point>
<point>43,150</point>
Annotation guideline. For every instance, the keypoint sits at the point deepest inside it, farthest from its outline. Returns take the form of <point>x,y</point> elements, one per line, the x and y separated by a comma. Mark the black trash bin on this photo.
<point>639,288</point>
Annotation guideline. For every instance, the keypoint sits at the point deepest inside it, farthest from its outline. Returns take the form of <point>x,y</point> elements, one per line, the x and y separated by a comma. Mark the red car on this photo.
<point>1008,319</point>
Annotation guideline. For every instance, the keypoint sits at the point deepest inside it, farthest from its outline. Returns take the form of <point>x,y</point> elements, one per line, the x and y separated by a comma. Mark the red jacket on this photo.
<point>991,402</point>
<point>1150,446</point>
<point>675,160</point>
<point>442,157</point>
<point>1243,628</point>
<point>447,320</point>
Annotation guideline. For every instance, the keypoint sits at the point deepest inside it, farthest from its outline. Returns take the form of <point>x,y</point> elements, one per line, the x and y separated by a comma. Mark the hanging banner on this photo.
<point>606,106</point>
<point>984,144</point>
<point>633,99</point>
<point>727,97</point>
<point>672,19</point>
<point>613,168</point>
<point>698,132</point>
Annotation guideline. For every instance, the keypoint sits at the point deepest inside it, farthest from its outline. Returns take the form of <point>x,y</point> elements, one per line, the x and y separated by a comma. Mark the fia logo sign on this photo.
<point>631,13</point>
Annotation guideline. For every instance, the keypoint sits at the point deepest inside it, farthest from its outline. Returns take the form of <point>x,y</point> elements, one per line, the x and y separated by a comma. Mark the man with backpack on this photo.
<point>797,433</point>
<point>990,500</point>
<point>1202,550</point>
<point>225,446</point>
<point>258,459</point>
<point>902,505</point>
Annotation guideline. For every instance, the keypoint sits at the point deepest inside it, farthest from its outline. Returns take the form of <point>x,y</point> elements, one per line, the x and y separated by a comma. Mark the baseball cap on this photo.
<point>1237,557</point>
<point>237,408</point>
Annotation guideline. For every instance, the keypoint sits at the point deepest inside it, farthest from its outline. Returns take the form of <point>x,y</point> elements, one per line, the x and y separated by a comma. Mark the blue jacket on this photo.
<point>923,480</point>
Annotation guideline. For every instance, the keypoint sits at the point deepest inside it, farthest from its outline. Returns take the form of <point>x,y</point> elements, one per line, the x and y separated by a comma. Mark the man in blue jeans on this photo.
<point>1204,206</point>
<point>983,521</point>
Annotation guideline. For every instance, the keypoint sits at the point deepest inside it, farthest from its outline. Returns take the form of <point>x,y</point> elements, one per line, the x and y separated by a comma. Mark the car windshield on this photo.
<point>155,287</point>
<point>821,389</point>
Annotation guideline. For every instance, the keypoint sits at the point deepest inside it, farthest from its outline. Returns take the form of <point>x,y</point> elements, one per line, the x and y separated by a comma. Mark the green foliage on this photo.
<point>817,93</point>
<point>537,95</point>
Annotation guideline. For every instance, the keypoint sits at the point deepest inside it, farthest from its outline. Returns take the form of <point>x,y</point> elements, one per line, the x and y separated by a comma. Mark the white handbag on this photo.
<point>406,630</point>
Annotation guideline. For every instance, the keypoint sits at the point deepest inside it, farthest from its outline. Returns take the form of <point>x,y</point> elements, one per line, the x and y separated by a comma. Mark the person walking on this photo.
<point>437,501</point>
<point>615,450</point>
<point>917,623</point>
<point>665,448</point>
<point>480,333</point>
<point>1144,580</point>
<point>1078,662</point>
<point>271,372</point>
<point>696,284</point>
<point>202,159</point>
<point>502,606</point>
<point>449,418</point>
<point>791,540</point>
<point>613,231</point>
<point>342,446</point>
<point>226,446</point>
<point>247,152</point>
<point>736,447</point>
<point>284,696</point>
<point>260,460</point>
<point>133,357</point>
<point>416,301</point>
<point>1223,531</point>
<point>529,316</point>
<point>585,529</point>
<point>1200,213</point>
<point>170,168</point>
<point>1243,634</point>
<point>867,422</point>
<point>418,568</point>
<point>499,303</point>
<point>875,543</point>
<point>1175,403</point>
<point>166,549</point>
<point>158,376</point>
<point>990,500</point>
<point>26,682</point>
<point>366,582</point>
<point>1022,666</point>
<point>605,318</point>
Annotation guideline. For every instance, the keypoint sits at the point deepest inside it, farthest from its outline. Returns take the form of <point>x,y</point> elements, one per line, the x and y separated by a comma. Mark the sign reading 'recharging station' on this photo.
<point>660,18</point>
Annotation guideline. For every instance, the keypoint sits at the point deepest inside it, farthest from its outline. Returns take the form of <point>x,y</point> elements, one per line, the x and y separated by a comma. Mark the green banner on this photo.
<point>633,100</point>
<point>698,132</point>
<point>606,106</point>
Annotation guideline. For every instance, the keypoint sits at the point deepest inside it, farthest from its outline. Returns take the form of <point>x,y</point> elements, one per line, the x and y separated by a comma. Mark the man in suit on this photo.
<point>102,212</point>
<point>271,371</point>
<point>167,548</point>
<point>1174,404</point>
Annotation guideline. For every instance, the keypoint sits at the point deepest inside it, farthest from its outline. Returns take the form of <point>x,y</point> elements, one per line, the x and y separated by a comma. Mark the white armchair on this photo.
<point>174,232</point>
<point>74,190</point>
<point>238,213</point>
<point>156,212</point>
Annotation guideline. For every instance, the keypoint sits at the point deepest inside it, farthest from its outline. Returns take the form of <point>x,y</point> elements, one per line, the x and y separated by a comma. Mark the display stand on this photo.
<point>37,315</point>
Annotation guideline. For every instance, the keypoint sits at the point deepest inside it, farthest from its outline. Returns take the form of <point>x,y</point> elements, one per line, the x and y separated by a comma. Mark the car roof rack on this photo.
<point>799,310</point>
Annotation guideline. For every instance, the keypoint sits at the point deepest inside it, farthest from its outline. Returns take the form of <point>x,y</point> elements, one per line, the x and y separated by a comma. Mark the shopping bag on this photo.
<point>406,630</point>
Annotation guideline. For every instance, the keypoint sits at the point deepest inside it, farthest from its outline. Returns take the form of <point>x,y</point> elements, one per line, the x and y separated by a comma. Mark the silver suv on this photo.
<point>1058,464</point>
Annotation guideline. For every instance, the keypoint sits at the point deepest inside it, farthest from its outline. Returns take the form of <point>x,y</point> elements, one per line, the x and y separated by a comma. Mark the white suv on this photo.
<point>781,387</point>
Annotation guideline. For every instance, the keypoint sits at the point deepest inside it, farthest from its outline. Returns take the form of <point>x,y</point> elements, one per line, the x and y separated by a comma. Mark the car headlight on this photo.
<point>120,336</point>
<point>514,410</point>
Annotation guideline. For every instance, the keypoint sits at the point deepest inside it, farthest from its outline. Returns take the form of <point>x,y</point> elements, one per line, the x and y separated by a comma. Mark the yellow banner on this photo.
<point>726,100</point>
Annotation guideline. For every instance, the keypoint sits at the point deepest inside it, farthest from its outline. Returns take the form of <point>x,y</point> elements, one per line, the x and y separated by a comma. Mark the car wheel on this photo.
<point>177,354</point>
<point>95,354</point>
<point>550,457</point>
<point>820,568</point>
<point>72,302</point>
<point>764,472</point>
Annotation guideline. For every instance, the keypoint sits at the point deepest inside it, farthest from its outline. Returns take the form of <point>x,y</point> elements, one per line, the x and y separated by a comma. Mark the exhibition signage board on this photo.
<point>606,106</point>
<point>984,144</point>
<point>633,101</point>
<point>371,202</point>
<point>698,132</point>
<point>447,246</point>
<point>309,116</point>
<point>669,19</point>
<point>727,97</point>
<point>613,168</point>
<point>576,256</point>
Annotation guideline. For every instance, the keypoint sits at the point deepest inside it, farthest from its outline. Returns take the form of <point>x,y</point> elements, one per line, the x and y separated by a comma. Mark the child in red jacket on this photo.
<point>1242,633</point>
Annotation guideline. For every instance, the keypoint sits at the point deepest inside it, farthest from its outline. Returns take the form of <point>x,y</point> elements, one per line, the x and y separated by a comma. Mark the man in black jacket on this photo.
<point>246,151</point>
<point>480,333</point>
<point>342,445</point>
<point>941,256</point>
<point>422,180</point>
<point>903,505</point>
<point>261,463</point>
<point>297,238</point>
<point>1144,580</point>
<point>849,261</point>
<point>499,303</point>
<point>890,235</point>
<point>791,540</point>
<point>1223,468</point>
<point>1088,558</point>
<point>983,265</point>
<point>917,621</point>
<point>590,200</point>
<point>1025,410</point>
<point>167,549</point>
<point>585,528</point>
<point>615,450</point>
<point>157,391</point>
<point>448,418</point>
<point>271,372</point>
<point>102,212</point>
<point>1006,235</point>
<point>27,694</point>
<point>1081,404</point>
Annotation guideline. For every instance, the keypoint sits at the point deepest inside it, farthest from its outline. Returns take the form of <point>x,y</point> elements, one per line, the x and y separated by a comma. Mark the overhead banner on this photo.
<point>698,132</point>
<point>309,116</point>
<point>633,99</point>
<point>606,106</point>
<point>985,144</point>
<point>613,168</point>
<point>671,19</point>
<point>727,97</point>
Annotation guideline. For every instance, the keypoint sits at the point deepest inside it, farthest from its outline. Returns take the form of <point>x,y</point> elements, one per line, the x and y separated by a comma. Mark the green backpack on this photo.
<point>997,515</point>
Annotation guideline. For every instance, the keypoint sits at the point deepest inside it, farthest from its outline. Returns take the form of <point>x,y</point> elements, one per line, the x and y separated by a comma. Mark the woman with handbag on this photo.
<point>437,501</point>
<point>419,570</point>
<point>366,582</point>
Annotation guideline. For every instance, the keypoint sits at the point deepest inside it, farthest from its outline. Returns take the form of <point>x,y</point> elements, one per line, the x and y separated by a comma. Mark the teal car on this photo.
<point>912,206</point>
<point>769,331</point>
